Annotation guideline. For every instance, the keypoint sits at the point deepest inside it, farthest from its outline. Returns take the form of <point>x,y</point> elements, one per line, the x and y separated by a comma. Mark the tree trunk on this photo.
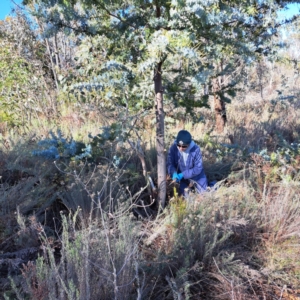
<point>160,138</point>
<point>220,113</point>
<point>219,105</point>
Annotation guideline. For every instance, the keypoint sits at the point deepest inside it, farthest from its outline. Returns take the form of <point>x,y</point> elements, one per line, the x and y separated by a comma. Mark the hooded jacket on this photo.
<point>189,163</point>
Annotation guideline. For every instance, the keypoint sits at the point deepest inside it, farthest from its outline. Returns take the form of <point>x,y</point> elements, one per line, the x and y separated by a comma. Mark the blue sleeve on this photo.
<point>172,164</point>
<point>195,166</point>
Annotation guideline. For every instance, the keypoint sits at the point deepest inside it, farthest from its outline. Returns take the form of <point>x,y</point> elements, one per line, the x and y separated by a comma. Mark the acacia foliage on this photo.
<point>197,41</point>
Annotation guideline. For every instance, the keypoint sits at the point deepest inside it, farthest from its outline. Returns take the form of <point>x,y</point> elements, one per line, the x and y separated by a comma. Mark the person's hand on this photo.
<point>179,177</point>
<point>174,177</point>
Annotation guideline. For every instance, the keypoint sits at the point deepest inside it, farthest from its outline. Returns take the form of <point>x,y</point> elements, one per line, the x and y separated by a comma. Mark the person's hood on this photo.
<point>187,150</point>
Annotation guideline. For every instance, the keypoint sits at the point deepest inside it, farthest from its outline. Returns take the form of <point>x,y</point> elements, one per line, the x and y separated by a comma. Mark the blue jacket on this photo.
<point>190,164</point>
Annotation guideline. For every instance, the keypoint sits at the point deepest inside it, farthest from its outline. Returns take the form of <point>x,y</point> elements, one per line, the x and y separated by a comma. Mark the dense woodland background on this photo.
<point>92,94</point>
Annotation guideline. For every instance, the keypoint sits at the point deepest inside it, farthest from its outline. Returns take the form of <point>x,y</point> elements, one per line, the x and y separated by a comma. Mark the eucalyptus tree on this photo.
<point>27,54</point>
<point>18,75</point>
<point>14,76</point>
<point>179,51</point>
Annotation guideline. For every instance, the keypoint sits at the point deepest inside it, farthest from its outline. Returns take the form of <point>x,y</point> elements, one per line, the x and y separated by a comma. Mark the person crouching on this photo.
<point>184,163</point>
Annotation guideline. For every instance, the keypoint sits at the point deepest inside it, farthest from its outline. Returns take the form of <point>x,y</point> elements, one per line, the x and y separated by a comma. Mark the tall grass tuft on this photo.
<point>98,261</point>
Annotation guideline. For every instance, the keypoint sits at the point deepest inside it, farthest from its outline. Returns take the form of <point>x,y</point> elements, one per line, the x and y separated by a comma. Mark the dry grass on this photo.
<point>240,241</point>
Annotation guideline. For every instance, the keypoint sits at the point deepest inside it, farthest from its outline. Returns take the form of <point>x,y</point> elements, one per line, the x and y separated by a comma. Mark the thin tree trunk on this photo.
<point>52,68</point>
<point>52,63</point>
<point>160,138</point>
<point>57,55</point>
<point>219,106</point>
<point>50,54</point>
<point>220,113</point>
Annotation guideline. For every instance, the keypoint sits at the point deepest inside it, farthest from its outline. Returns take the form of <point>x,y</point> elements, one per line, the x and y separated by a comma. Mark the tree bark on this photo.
<point>219,106</point>
<point>160,138</point>
<point>220,113</point>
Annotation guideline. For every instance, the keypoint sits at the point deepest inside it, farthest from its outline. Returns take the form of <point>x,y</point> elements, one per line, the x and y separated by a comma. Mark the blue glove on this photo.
<point>174,177</point>
<point>179,177</point>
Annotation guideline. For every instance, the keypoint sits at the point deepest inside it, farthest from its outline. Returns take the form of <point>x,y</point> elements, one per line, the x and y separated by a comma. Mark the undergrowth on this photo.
<point>72,216</point>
